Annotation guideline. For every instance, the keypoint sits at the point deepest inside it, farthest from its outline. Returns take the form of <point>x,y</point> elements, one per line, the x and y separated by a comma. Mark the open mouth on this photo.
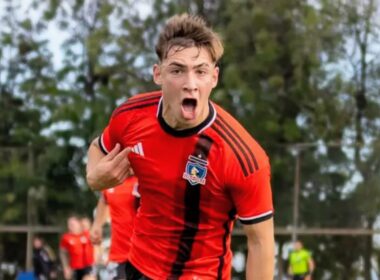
<point>188,108</point>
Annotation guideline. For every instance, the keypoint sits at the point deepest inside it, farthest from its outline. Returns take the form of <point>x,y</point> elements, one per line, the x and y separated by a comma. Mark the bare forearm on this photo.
<point>101,213</point>
<point>64,258</point>
<point>94,156</point>
<point>260,262</point>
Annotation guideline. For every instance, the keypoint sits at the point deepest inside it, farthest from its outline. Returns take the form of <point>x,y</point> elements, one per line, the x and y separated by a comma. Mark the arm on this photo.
<point>65,263</point>
<point>260,261</point>
<point>101,214</point>
<point>290,272</point>
<point>311,265</point>
<point>106,171</point>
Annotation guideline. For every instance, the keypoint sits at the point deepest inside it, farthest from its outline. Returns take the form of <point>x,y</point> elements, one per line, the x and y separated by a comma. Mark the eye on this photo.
<point>176,71</point>
<point>201,72</point>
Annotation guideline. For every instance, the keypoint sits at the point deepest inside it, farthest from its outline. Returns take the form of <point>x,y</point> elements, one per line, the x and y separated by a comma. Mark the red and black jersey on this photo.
<point>122,204</point>
<point>193,183</point>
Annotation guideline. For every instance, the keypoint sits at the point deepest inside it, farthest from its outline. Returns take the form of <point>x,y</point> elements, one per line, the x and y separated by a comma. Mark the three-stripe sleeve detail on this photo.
<point>239,147</point>
<point>138,103</point>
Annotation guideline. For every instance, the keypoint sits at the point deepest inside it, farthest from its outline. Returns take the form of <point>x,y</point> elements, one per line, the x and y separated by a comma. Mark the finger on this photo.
<point>122,155</point>
<point>124,174</point>
<point>113,152</point>
<point>131,172</point>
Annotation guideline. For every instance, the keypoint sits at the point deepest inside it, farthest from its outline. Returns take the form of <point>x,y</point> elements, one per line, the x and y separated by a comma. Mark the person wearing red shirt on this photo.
<point>121,202</point>
<point>90,250</point>
<point>72,251</point>
<point>198,168</point>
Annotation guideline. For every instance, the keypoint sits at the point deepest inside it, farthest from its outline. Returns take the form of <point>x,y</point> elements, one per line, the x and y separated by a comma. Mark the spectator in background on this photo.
<point>43,260</point>
<point>301,263</point>
<point>120,202</point>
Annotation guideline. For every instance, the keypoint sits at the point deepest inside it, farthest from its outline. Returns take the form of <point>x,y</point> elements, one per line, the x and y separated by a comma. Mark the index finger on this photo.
<point>122,155</point>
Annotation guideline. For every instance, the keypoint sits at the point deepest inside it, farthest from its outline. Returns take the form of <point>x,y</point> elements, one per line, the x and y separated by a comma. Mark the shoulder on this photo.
<point>307,253</point>
<point>64,238</point>
<point>238,143</point>
<point>139,101</point>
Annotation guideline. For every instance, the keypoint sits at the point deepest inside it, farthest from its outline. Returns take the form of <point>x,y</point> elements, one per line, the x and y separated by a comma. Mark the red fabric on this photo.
<point>89,249</point>
<point>122,205</point>
<point>76,245</point>
<point>182,230</point>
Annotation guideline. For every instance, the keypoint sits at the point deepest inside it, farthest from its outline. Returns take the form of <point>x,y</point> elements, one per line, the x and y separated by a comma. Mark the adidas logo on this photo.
<point>138,149</point>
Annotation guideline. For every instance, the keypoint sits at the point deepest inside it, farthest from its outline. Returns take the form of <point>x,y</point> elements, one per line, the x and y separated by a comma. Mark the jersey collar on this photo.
<point>189,131</point>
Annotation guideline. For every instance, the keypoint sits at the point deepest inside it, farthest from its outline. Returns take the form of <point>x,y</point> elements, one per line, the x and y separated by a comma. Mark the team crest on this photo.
<point>195,171</point>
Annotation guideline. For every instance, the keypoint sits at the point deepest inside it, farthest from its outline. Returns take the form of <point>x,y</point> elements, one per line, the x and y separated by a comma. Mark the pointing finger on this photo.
<point>113,152</point>
<point>122,155</point>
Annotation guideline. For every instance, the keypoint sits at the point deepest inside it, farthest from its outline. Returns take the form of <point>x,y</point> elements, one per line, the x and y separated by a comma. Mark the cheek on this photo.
<point>207,85</point>
<point>172,83</point>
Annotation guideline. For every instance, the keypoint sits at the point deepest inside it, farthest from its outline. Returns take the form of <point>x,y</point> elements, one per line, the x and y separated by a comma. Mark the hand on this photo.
<point>96,235</point>
<point>111,170</point>
<point>67,273</point>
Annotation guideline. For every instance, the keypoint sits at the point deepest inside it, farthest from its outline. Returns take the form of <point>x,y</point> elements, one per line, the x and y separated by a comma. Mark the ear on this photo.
<point>215,76</point>
<point>157,78</point>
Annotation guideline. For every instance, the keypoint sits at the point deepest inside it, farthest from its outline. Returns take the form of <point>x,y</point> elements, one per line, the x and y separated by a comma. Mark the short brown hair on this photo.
<point>188,31</point>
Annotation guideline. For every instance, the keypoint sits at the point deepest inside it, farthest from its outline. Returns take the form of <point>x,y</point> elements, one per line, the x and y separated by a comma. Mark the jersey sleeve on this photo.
<point>113,132</point>
<point>63,243</point>
<point>252,195</point>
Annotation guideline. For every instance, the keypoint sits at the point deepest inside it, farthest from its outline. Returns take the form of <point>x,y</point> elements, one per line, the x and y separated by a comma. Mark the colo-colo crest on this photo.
<point>195,171</point>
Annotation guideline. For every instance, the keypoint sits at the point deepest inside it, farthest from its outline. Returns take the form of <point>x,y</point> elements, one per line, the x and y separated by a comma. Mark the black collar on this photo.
<point>188,131</point>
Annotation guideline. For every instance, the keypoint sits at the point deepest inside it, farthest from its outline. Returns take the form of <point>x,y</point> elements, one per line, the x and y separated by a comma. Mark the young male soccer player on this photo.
<point>121,203</point>
<point>197,167</point>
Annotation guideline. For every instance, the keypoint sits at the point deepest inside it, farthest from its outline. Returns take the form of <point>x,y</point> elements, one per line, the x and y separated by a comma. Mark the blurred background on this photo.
<point>303,76</point>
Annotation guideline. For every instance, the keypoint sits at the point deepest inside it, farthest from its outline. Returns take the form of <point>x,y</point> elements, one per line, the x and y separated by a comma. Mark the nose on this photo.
<point>190,84</point>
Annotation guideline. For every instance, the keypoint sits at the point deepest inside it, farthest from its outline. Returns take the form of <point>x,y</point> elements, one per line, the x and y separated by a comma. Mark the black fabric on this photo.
<point>133,273</point>
<point>120,272</point>
<point>299,276</point>
<point>43,265</point>
<point>80,273</point>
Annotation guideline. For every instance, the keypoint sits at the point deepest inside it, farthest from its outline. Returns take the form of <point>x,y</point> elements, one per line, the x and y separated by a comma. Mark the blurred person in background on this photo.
<point>301,263</point>
<point>73,251</point>
<point>91,251</point>
<point>43,260</point>
<point>121,204</point>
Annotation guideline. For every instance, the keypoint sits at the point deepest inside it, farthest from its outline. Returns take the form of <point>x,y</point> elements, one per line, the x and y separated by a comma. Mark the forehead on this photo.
<point>73,220</point>
<point>188,56</point>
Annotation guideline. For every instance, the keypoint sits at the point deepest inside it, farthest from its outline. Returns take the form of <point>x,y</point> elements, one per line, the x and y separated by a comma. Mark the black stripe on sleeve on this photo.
<point>192,213</point>
<point>139,100</point>
<point>239,146</point>
<point>242,141</point>
<point>134,107</point>
<point>101,145</point>
<point>257,220</point>
<point>245,171</point>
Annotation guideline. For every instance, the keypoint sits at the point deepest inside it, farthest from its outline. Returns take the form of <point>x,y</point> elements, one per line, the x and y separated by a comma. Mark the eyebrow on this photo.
<point>184,66</point>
